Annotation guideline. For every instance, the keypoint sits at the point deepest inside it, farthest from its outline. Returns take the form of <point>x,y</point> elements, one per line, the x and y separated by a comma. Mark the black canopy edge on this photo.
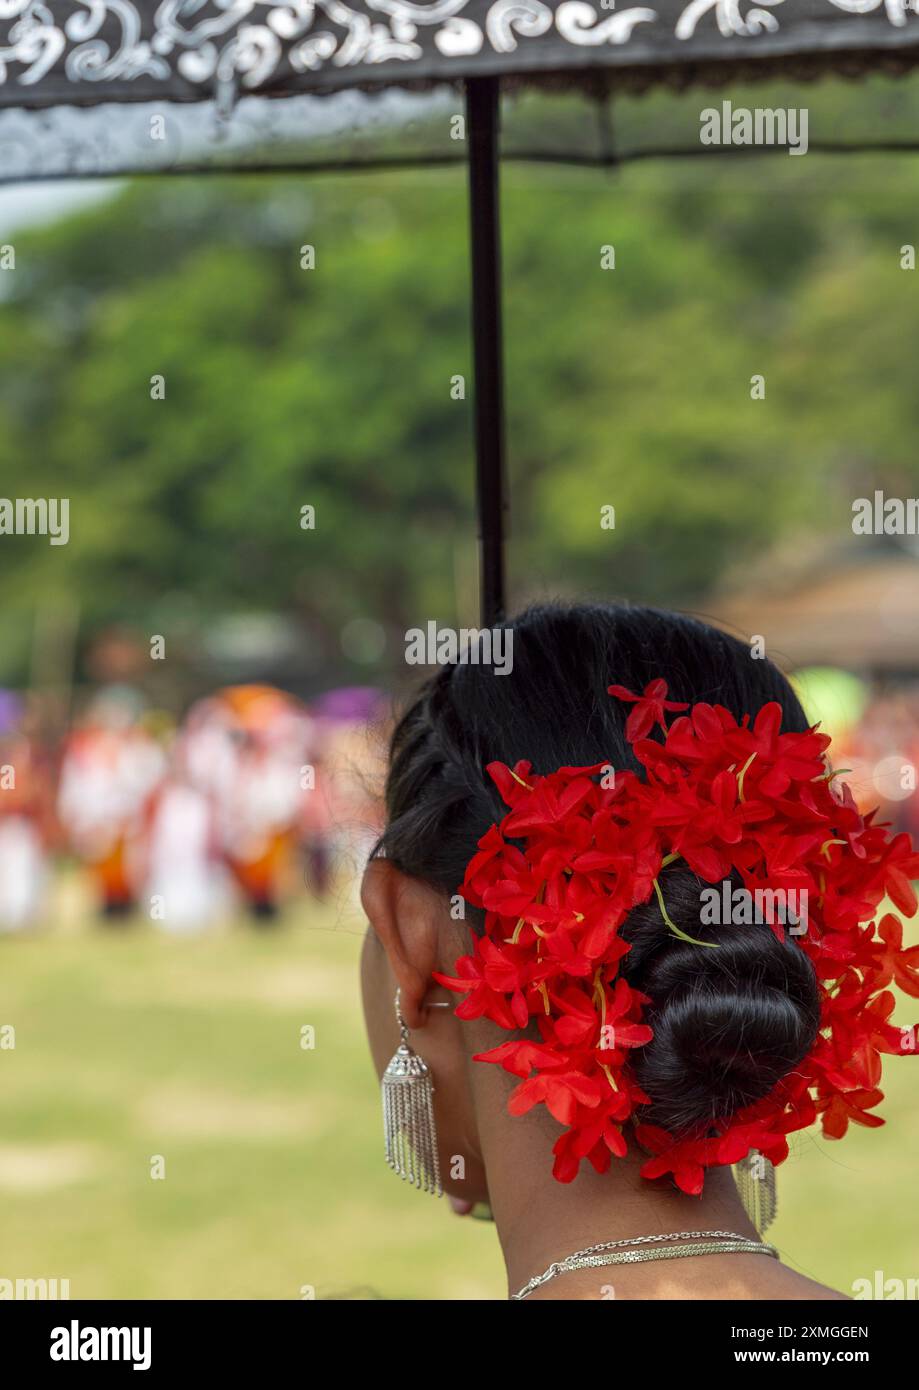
<point>407,163</point>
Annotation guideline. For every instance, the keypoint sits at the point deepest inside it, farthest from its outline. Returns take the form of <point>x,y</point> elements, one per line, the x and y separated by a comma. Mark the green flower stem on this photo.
<point>677,931</point>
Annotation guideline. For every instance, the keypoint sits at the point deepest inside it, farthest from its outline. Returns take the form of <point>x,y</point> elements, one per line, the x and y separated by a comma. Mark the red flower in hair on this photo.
<point>649,708</point>
<point>894,963</point>
<point>838,1109</point>
<point>577,851</point>
<point>687,1160</point>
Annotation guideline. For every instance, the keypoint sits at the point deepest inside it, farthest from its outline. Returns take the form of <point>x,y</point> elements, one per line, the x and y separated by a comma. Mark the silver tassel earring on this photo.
<point>408,1116</point>
<point>755,1178</point>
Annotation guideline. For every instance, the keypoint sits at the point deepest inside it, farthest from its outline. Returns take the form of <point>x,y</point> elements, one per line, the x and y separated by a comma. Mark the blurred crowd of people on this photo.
<point>255,797</point>
<point>252,798</point>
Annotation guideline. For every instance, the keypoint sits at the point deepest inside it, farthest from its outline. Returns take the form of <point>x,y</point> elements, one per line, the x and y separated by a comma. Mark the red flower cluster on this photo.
<point>578,849</point>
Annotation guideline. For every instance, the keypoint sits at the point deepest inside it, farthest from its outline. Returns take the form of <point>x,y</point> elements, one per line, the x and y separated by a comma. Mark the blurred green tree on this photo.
<point>333,386</point>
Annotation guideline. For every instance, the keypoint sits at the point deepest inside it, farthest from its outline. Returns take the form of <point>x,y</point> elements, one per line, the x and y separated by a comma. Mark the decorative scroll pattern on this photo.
<point>204,46</point>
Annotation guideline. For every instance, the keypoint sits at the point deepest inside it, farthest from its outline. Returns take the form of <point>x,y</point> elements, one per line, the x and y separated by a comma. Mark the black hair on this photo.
<point>728,1023</point>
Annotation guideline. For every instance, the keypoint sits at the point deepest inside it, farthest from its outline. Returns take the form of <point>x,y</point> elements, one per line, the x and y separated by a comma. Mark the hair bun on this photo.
<point>728,1023</point>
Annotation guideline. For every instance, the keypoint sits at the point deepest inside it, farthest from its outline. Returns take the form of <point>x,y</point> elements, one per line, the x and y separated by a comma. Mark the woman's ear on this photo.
<point>406,916</point>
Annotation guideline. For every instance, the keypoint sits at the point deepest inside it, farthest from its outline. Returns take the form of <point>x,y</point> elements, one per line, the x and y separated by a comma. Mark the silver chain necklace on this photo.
<point>612,1252</point>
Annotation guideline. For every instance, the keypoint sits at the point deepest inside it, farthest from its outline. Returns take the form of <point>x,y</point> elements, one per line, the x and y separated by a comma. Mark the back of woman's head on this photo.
<point>728,1023</point>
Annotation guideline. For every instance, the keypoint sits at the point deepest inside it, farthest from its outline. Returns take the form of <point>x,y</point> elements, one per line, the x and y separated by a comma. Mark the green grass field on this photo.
<point>131,1044</point>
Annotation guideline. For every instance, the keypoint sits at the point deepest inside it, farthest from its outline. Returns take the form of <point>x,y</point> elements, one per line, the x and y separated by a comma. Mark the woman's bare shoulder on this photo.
<point>787,1283</point>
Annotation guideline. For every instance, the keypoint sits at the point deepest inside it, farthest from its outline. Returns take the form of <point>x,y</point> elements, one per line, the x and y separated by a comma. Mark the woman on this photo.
<point>731,1011</point>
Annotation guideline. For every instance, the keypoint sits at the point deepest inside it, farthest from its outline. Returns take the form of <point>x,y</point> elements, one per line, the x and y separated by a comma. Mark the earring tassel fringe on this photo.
<point>755,1179</point>
<point>408,1121</point>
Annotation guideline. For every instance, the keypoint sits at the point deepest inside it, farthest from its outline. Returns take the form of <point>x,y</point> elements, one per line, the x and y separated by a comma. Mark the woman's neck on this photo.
<point>540,1220</point>
<point>539,1223</point>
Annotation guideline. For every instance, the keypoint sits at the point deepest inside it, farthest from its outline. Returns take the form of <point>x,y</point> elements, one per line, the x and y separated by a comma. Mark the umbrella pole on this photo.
<point>482,106</point>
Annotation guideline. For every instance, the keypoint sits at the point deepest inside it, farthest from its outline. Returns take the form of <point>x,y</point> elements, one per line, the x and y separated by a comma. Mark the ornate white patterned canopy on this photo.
<point>89,51</point>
